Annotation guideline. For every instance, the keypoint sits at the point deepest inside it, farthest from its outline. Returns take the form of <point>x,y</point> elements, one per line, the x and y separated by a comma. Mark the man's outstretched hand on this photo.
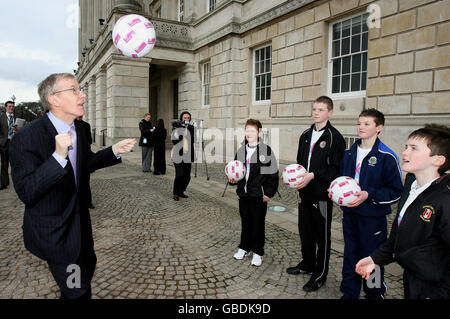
<point>124,146</point>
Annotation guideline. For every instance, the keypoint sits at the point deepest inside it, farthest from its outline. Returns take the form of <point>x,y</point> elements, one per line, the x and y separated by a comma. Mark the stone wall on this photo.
<point>408,70</point>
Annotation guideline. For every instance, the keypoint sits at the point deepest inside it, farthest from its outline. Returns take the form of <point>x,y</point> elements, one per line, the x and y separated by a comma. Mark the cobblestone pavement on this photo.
<point>149,246</point>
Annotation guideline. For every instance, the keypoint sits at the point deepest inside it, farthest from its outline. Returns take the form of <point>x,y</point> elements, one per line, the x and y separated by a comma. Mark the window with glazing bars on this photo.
<point>212,5</point>
<point>263,73</point>
<point>349,55</point>
<point>180,10</point>
<point>206,79</point>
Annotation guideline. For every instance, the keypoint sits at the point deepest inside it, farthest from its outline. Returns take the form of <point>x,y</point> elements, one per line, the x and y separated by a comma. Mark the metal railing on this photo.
<point>103,136</point>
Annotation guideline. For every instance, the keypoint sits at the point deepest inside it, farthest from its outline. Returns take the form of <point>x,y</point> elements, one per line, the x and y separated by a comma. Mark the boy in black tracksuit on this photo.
<point>254,191</point>
<point>320,150</point>
<point>420,237</point>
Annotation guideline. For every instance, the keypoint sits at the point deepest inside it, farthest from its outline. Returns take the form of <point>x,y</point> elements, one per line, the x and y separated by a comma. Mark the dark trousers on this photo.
<point>89,192</point>
<point>415,288</point>
<point>4,154</point>
<point>362,235</point>
<point>253,215</point>
<point>159,162</point>
<point>147,152</point>
<point>65,277</point>
<point>182,177</point>
<point>314,227</point>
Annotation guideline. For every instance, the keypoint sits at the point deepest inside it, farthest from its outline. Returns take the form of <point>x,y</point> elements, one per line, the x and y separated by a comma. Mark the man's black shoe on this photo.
<point>183,195</point>
<point>3,187</point>
<point>91,206</point>
<point>299,269</point>
<point>313,285</point>
<point>176,197</point>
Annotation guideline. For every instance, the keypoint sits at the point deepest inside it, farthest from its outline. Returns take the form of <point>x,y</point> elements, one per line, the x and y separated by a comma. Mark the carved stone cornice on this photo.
<point>177,35</point>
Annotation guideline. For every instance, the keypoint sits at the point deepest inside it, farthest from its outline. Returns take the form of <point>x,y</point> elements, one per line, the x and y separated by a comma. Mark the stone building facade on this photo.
<point>228,60</point>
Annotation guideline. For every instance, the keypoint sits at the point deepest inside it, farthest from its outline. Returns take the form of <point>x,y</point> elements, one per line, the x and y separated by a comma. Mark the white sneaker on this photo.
<point>256,260</point>
<point>240,254</point>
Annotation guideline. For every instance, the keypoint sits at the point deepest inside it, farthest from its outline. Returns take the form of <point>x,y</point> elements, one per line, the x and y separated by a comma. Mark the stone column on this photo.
<point>84,26</point>
<point>100,118</point>
<point>97,14</point>
<point>189,90</point>
<point>92,97</point>
<point>85,87</point>
<point>127,96</point>
<point>128,5</point>
<point>90,25</point>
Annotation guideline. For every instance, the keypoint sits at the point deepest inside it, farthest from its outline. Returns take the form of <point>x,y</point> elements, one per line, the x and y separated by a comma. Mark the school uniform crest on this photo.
<point>427,213</point>
<point>372,161</point>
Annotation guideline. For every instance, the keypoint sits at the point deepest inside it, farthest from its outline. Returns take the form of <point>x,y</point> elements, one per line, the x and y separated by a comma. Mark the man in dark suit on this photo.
<point>182,154</point>
<point>50,164</point>
<point>87,129</point>
<point>7,130</point>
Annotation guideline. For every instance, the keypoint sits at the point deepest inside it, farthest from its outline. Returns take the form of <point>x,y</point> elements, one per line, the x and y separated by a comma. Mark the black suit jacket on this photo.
<point>56,222</point>
<point>87,129</point>
<point>4,128</point>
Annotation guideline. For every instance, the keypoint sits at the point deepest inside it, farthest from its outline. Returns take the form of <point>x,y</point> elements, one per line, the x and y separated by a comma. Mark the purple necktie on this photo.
<point>73,151</point>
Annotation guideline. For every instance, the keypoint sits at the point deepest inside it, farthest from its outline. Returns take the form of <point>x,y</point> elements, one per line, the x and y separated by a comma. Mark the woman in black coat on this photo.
<point>159,144</point>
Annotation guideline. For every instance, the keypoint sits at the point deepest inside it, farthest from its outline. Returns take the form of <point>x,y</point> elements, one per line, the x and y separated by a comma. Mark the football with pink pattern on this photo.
<point>235,170</point>
<point>134,35</point>
<point>343,189</point>
<point>290,174</point>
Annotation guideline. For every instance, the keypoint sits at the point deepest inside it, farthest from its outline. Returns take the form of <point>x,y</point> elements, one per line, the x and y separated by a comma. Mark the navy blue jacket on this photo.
<point>381,177</point>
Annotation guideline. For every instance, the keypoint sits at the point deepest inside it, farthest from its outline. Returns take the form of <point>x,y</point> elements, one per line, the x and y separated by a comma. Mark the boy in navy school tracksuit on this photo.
<point>377,169</point>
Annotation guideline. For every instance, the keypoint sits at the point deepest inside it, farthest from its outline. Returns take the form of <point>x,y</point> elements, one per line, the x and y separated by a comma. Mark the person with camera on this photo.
<point>182,154</point>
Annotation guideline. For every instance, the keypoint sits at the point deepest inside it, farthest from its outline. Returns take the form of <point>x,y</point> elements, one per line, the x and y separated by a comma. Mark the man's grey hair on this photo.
<point>47,87</point>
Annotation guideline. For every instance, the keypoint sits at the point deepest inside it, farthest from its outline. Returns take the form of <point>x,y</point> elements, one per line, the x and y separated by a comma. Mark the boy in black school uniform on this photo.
<point>376,167</point>
<point>255,190</point>
<point>320,150</point>
<point>420,237</point>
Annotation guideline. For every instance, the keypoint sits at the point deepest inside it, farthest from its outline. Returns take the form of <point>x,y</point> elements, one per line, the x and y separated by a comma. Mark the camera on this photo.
<point>178,124</point>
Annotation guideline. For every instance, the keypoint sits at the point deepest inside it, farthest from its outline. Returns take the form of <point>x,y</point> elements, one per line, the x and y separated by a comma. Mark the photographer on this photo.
<point>182,154</point>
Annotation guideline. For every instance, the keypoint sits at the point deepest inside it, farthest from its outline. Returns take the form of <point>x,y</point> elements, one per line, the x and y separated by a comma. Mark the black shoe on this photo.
<point>91,206</point>
<point>3,187</point>
<point>183,195</point>
<point>176,197</point>
<point>313,284</point>
<point>299,269</point>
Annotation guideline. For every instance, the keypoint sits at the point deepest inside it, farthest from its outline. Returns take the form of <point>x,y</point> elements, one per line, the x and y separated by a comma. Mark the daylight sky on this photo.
<point>38,38</point>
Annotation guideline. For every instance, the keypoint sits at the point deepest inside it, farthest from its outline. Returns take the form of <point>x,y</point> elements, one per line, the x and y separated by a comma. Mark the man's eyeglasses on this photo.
<point>74,91</point>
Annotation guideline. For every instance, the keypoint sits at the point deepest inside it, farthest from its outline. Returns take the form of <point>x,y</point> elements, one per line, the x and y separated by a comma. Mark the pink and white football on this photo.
<point>290,174</point>
<point>235,170</point>
<point>134,35</point>
<point>343,189</point>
